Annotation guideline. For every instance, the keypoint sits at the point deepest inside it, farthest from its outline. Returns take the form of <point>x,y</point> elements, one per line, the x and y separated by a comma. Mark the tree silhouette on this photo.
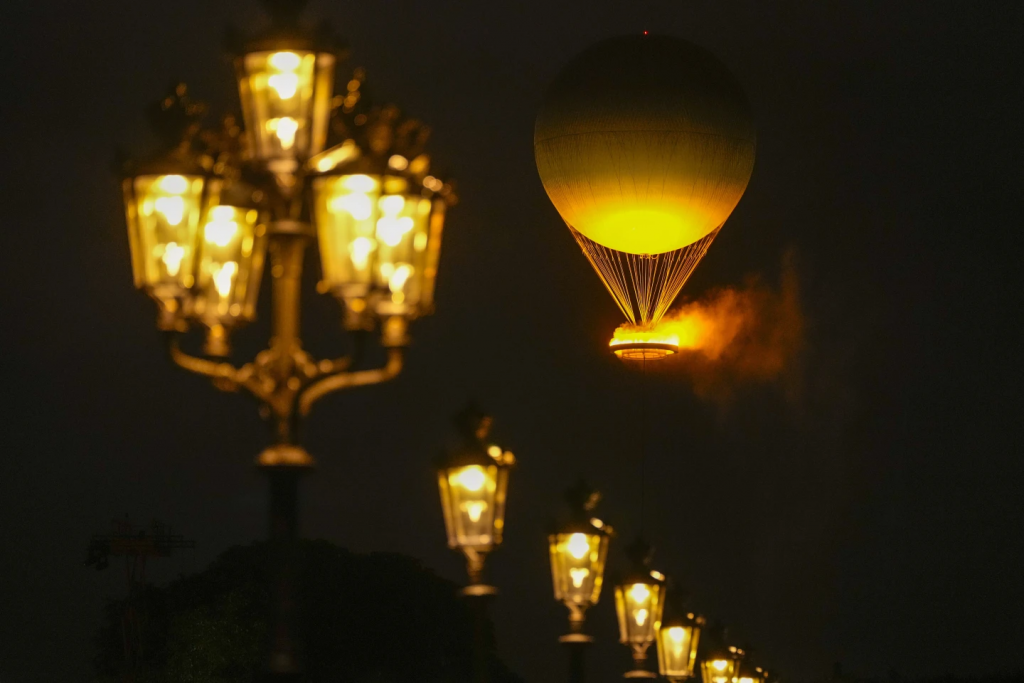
<point>375,618</point>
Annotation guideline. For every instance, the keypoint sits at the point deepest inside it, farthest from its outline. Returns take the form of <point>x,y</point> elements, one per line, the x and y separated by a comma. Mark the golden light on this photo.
<point>722,666</point>
<point>678,640</point>
<point>379,242</point>
<point>473,486</point>
<point>471,478</point>
<point>286,96</point>
<point>231,254</point>
<point>633,343</point>
<point>164,214</point>
<point>683,127</point>
<point>578,546</point>
<point>751,674</point>
<point>639,607</point>
<point>578,552</point>
<point>577,566</point>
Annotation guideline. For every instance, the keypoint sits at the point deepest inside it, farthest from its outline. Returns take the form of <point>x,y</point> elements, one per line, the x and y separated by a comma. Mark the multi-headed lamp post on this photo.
<point>639,602</point>
<point>578,553</point>
<point>312,165</point>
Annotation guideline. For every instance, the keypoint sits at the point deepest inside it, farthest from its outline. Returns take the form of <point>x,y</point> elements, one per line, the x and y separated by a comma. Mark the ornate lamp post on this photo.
<point>639,601</point>
<point>722,665</point>
<point>205,211</point>
<point>578,553</point>
<point>678,638</point>
<point>473,481</point>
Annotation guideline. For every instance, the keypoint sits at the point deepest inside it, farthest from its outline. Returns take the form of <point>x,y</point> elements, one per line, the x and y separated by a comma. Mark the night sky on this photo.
<point>866,510</point>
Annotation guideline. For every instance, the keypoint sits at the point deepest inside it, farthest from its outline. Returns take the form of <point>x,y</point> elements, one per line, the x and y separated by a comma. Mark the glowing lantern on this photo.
<point>752,674</point>
<point>677,644</point>
<point>579,551</point>
<point>380,239</point>
<point>722,666</point>
<point>285,81</point>
<point>645,145</point>
<point>473,482</point>
<point>639,601</point>
<point>166,198</point>
<point>230,266</point>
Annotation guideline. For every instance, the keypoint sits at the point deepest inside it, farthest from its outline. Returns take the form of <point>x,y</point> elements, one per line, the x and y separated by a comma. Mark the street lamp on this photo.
<point>722,665</point>
<point>215,202</point>
<point>472,478</point>
<point>752,674</point>
<point>578,553</point>
<point>380,237</point>
<point>639,601</point>
<point>473,481</point>
<point>678,638</point>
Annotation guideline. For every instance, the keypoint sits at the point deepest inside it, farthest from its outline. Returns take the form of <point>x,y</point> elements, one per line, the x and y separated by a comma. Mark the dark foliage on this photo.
<point>380,617</point>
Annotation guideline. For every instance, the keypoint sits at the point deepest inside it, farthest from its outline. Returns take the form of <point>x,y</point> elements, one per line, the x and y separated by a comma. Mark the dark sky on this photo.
<point>872,517</point>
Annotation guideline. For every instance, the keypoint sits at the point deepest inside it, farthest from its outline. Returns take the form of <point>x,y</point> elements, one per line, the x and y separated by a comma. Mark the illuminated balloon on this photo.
<point>645,145</point>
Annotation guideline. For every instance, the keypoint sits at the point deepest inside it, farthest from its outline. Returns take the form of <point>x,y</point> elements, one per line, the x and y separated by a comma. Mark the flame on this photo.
<point>732,336</point>
<point>634,334</point>
<point>707,327</point>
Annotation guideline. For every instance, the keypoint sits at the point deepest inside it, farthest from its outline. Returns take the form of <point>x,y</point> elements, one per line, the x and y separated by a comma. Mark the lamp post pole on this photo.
<point>576,645</point>
<point>478,596</point>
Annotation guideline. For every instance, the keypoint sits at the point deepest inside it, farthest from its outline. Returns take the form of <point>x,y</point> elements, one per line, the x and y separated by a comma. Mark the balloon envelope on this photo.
<point>645,145</point>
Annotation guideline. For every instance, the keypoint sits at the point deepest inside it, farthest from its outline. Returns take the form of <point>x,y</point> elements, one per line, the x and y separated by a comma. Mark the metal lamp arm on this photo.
<point>225,376</point>
<point>345,380</point>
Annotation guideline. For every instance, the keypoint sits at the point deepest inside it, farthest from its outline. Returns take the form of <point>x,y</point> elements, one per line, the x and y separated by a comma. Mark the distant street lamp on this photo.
<point>678,639</point>
<point>473,482</point>
<point>752,674</point>
<point>639,601</point>
<point>722,665</point>
<point>472,479</point>
<point>578,553</point>
<point>205,211</point>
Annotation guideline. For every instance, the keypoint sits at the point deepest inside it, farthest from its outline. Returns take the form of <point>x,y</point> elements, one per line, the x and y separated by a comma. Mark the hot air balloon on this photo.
<point>645,145</point>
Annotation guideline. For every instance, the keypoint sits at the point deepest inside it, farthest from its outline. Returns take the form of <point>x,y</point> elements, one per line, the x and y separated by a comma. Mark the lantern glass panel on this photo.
<point>230,265</point>
<point>286,102</point>
<point>577,566</point>
<point>432,255</point>
<point>677,650</point>
<point>639,605</point>
<point>402,233</point>
<point>719,670</point>
<point>164,214</point>
<point>374,235</point>
<point>473,499</point>
<point>345,211</point>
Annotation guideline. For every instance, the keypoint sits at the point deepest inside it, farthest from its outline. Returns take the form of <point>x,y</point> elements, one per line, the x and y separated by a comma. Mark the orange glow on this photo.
<point>752,332</point>
<point>708,329</point>
<point>635,343</point>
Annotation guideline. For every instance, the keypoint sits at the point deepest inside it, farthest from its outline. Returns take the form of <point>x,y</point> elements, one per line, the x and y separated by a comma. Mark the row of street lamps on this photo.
<point>473,483</point>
